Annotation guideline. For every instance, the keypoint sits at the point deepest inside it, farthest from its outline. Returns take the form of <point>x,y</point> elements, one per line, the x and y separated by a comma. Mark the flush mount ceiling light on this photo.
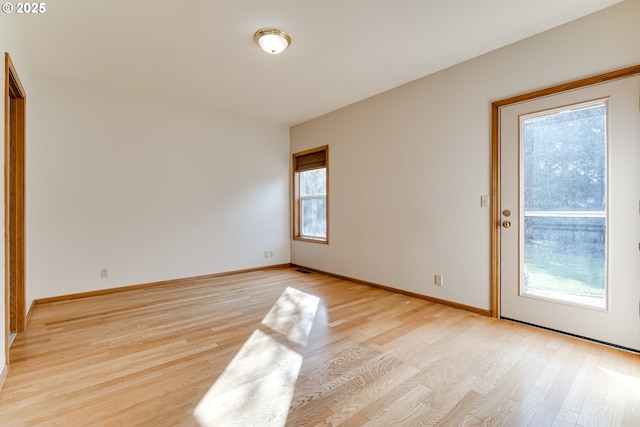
<point>272,40</point>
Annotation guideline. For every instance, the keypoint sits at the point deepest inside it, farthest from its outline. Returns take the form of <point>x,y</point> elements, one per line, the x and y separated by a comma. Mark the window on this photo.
<point>564,192</point>
<point>310,194</point>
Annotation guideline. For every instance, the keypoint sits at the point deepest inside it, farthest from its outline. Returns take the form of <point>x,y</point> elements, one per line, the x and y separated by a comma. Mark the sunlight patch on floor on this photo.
<point>632,383</point>
<point>257,386</point>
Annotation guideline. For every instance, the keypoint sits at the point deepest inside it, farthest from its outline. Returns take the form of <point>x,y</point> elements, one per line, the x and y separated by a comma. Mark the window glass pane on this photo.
<point>314,217</point>
<point>313,182</point>
<point>564,233</point>
<point>564,161</point>
<point>565,258</point>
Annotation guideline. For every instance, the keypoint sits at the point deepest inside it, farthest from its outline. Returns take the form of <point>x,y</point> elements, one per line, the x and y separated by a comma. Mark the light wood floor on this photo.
<point>174,355</point>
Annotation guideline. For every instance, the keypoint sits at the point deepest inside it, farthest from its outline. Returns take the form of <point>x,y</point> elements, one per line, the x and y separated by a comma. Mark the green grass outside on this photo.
<point>550,270</point>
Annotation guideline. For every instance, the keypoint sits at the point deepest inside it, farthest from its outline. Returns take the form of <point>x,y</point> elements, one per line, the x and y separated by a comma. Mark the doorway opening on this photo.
<point>564,212</point>
<point>14,197</point>
<point>496,215</point>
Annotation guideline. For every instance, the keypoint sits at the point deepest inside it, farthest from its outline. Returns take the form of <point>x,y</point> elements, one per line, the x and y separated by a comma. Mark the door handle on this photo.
<point>506,224</point>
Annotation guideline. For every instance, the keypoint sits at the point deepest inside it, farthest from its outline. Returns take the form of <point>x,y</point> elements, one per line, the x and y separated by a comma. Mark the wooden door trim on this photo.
<point>14,164</point>
<point>495,161</point>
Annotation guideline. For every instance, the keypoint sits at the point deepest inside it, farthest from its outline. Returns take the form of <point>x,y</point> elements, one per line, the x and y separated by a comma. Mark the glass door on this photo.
<point>570,193</point>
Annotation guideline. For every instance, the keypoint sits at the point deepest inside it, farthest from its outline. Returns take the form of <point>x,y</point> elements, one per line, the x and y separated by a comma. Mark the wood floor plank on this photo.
<point>149,357</point>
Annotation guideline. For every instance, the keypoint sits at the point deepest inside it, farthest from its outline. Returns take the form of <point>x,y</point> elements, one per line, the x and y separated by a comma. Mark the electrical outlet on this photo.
<point>104,273</point>
<point>437,279</point>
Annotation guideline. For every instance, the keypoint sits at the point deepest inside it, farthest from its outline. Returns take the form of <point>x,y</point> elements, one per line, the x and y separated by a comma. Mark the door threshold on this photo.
<point>608,344</point>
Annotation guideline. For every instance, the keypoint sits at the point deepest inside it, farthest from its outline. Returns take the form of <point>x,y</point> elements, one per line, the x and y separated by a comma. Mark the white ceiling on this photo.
<point>202,53</point>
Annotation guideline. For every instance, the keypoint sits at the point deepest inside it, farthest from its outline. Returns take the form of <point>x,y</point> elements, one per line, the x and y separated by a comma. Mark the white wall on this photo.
<point>408,167</point>
<point>150,190</point>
